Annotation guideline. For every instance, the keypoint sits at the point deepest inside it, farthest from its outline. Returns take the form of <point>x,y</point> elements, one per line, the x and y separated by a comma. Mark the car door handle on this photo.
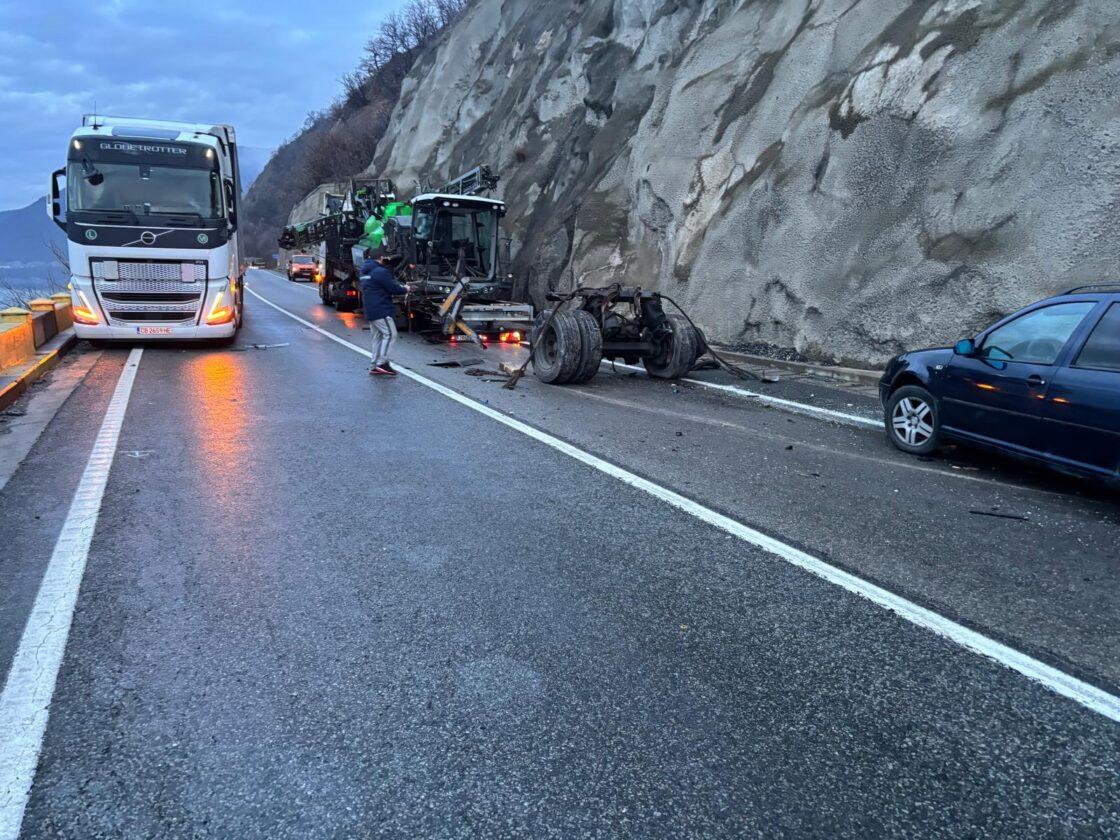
<point>1035,381</point>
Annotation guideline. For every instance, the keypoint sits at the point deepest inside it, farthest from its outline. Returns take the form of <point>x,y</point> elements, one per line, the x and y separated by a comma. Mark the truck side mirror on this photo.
<point>965,347</point>
<point>231,204</point>
<point>54,200</point>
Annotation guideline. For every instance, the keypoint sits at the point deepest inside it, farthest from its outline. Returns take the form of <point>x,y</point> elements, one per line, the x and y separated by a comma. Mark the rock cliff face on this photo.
<point>846,177</point>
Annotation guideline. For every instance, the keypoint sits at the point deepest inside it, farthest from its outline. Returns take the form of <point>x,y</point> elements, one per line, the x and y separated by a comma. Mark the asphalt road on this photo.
<point>322,604</point>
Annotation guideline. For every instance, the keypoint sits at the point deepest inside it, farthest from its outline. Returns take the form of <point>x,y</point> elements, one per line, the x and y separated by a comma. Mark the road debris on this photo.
<point>478,371</point>
<point>454,363</point>
<point>999,515</point>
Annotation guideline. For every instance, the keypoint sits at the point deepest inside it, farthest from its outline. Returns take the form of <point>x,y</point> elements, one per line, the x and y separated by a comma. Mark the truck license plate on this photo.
<point>153,330</point>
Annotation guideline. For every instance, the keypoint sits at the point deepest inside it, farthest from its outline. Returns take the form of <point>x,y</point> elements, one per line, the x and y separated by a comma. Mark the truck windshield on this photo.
<point>145,189</point>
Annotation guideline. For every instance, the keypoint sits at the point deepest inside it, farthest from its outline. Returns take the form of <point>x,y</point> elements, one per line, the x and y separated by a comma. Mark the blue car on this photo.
<point>1042,384</point>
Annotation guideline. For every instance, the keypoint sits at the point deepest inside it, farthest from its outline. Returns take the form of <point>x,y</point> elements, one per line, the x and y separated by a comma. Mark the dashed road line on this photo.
<point>26,700</point>
<point>1089,696</point>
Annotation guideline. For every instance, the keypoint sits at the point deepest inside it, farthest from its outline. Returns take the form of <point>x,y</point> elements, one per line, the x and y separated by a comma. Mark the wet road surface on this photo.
<point>321,604</point>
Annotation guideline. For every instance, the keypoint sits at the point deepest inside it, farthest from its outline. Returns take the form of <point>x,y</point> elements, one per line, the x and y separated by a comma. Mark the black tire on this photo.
<point>591,349</point>
<point>324,288</point>
<point>917,427</point>
<point>558,350</point>
<point>542,316</point>
<point>676,352</point>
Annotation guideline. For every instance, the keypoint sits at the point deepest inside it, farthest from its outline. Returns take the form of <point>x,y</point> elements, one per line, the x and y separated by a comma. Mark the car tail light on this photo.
<point>219,312</point>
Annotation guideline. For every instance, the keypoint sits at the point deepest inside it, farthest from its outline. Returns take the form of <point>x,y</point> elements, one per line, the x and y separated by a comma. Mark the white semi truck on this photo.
<point>151,224</point>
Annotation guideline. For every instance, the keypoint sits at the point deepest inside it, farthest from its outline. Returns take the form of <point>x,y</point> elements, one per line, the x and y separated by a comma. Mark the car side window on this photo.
<point>1102,348</point>
<point>1037,337</point>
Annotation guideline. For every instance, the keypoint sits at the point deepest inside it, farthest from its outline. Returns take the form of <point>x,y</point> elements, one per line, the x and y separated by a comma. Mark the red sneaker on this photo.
<point>379,371</point>
<point>388,368</point>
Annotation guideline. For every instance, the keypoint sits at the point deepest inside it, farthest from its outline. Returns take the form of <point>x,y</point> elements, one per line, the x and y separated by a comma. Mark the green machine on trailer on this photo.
<point>351,223</point>
<point>447,244</point>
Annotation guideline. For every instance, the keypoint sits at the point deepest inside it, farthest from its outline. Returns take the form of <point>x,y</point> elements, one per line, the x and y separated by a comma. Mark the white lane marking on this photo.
<point>26,702</point>
<point>1059,682</point>
<point>788,405</point>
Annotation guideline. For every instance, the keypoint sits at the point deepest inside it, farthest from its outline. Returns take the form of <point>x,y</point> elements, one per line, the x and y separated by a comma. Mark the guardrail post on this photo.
<point>62,310</point>
<point>17,340</point>
<point>44,324</point>
<point>15,315</point>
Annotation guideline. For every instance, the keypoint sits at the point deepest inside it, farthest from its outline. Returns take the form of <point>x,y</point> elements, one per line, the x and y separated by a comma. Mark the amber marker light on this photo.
<point>219,313</point>
<point>83,313</point>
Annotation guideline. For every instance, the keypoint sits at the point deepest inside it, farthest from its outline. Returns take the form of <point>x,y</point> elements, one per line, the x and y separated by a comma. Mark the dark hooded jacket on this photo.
<point>378,288</point>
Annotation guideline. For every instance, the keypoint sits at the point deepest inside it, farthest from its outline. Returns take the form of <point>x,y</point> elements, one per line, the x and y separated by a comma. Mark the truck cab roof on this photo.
<point>131,127</point>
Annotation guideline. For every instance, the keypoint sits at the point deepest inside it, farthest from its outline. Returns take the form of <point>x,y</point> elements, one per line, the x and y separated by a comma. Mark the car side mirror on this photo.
<point>965,347</point>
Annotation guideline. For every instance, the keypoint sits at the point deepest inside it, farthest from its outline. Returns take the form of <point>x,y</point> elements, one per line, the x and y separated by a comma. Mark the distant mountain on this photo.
<point>24,234</point>
<point>253,160</point>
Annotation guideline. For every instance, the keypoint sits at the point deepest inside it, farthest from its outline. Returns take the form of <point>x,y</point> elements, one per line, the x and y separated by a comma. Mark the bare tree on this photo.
<point>61,256</point>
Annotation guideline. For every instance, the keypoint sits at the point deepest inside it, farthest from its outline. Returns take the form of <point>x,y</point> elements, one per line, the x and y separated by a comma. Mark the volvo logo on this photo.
<point>91,234</point>
<point>147,237</point>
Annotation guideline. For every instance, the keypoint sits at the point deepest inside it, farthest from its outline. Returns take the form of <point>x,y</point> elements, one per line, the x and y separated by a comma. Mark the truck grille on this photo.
<point>142,291</point>
<point>166,270</point>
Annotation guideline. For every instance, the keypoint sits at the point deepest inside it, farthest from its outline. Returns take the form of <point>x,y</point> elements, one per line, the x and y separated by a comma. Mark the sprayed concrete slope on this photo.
<point>847,177</point>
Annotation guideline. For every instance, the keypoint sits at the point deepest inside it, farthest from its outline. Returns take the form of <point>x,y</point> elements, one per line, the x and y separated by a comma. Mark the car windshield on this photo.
<point>144,189</point>
<point>302,260</point>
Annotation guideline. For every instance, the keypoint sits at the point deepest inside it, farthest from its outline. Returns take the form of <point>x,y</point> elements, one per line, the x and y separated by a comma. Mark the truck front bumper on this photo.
<point>172,332</point>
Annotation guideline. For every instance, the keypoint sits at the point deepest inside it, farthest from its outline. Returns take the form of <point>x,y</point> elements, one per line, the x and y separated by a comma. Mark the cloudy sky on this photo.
<point>259,66</point>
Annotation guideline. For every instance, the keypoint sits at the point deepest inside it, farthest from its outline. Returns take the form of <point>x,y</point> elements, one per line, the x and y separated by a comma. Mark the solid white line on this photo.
<point>788,405</point>
<point>1057,681</point>
<point>26,701</point>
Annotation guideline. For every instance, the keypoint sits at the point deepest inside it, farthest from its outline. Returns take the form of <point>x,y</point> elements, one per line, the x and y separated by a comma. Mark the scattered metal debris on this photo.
<point>999,515</point>
<point>245,347</point>
<point>454,363</point>
<point>478,371</point>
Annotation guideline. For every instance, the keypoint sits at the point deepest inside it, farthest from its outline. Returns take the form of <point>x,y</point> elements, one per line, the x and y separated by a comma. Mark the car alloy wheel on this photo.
<point>912,421</point>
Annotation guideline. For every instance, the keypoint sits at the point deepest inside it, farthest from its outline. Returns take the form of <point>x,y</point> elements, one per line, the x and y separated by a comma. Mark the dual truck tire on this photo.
<point>570,348</point>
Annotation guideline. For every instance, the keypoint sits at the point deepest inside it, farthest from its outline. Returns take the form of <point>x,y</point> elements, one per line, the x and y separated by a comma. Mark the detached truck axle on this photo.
<point>567,343</point>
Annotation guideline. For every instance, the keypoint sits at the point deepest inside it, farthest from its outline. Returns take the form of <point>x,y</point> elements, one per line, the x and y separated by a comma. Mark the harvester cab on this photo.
<point>452,252</point>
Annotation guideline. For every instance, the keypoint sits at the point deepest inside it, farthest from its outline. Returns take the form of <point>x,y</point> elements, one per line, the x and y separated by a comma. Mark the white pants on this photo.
<point>384,333</point>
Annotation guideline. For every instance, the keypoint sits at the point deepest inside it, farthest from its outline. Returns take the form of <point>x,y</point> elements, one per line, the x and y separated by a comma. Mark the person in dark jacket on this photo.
<point>378,288</point>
